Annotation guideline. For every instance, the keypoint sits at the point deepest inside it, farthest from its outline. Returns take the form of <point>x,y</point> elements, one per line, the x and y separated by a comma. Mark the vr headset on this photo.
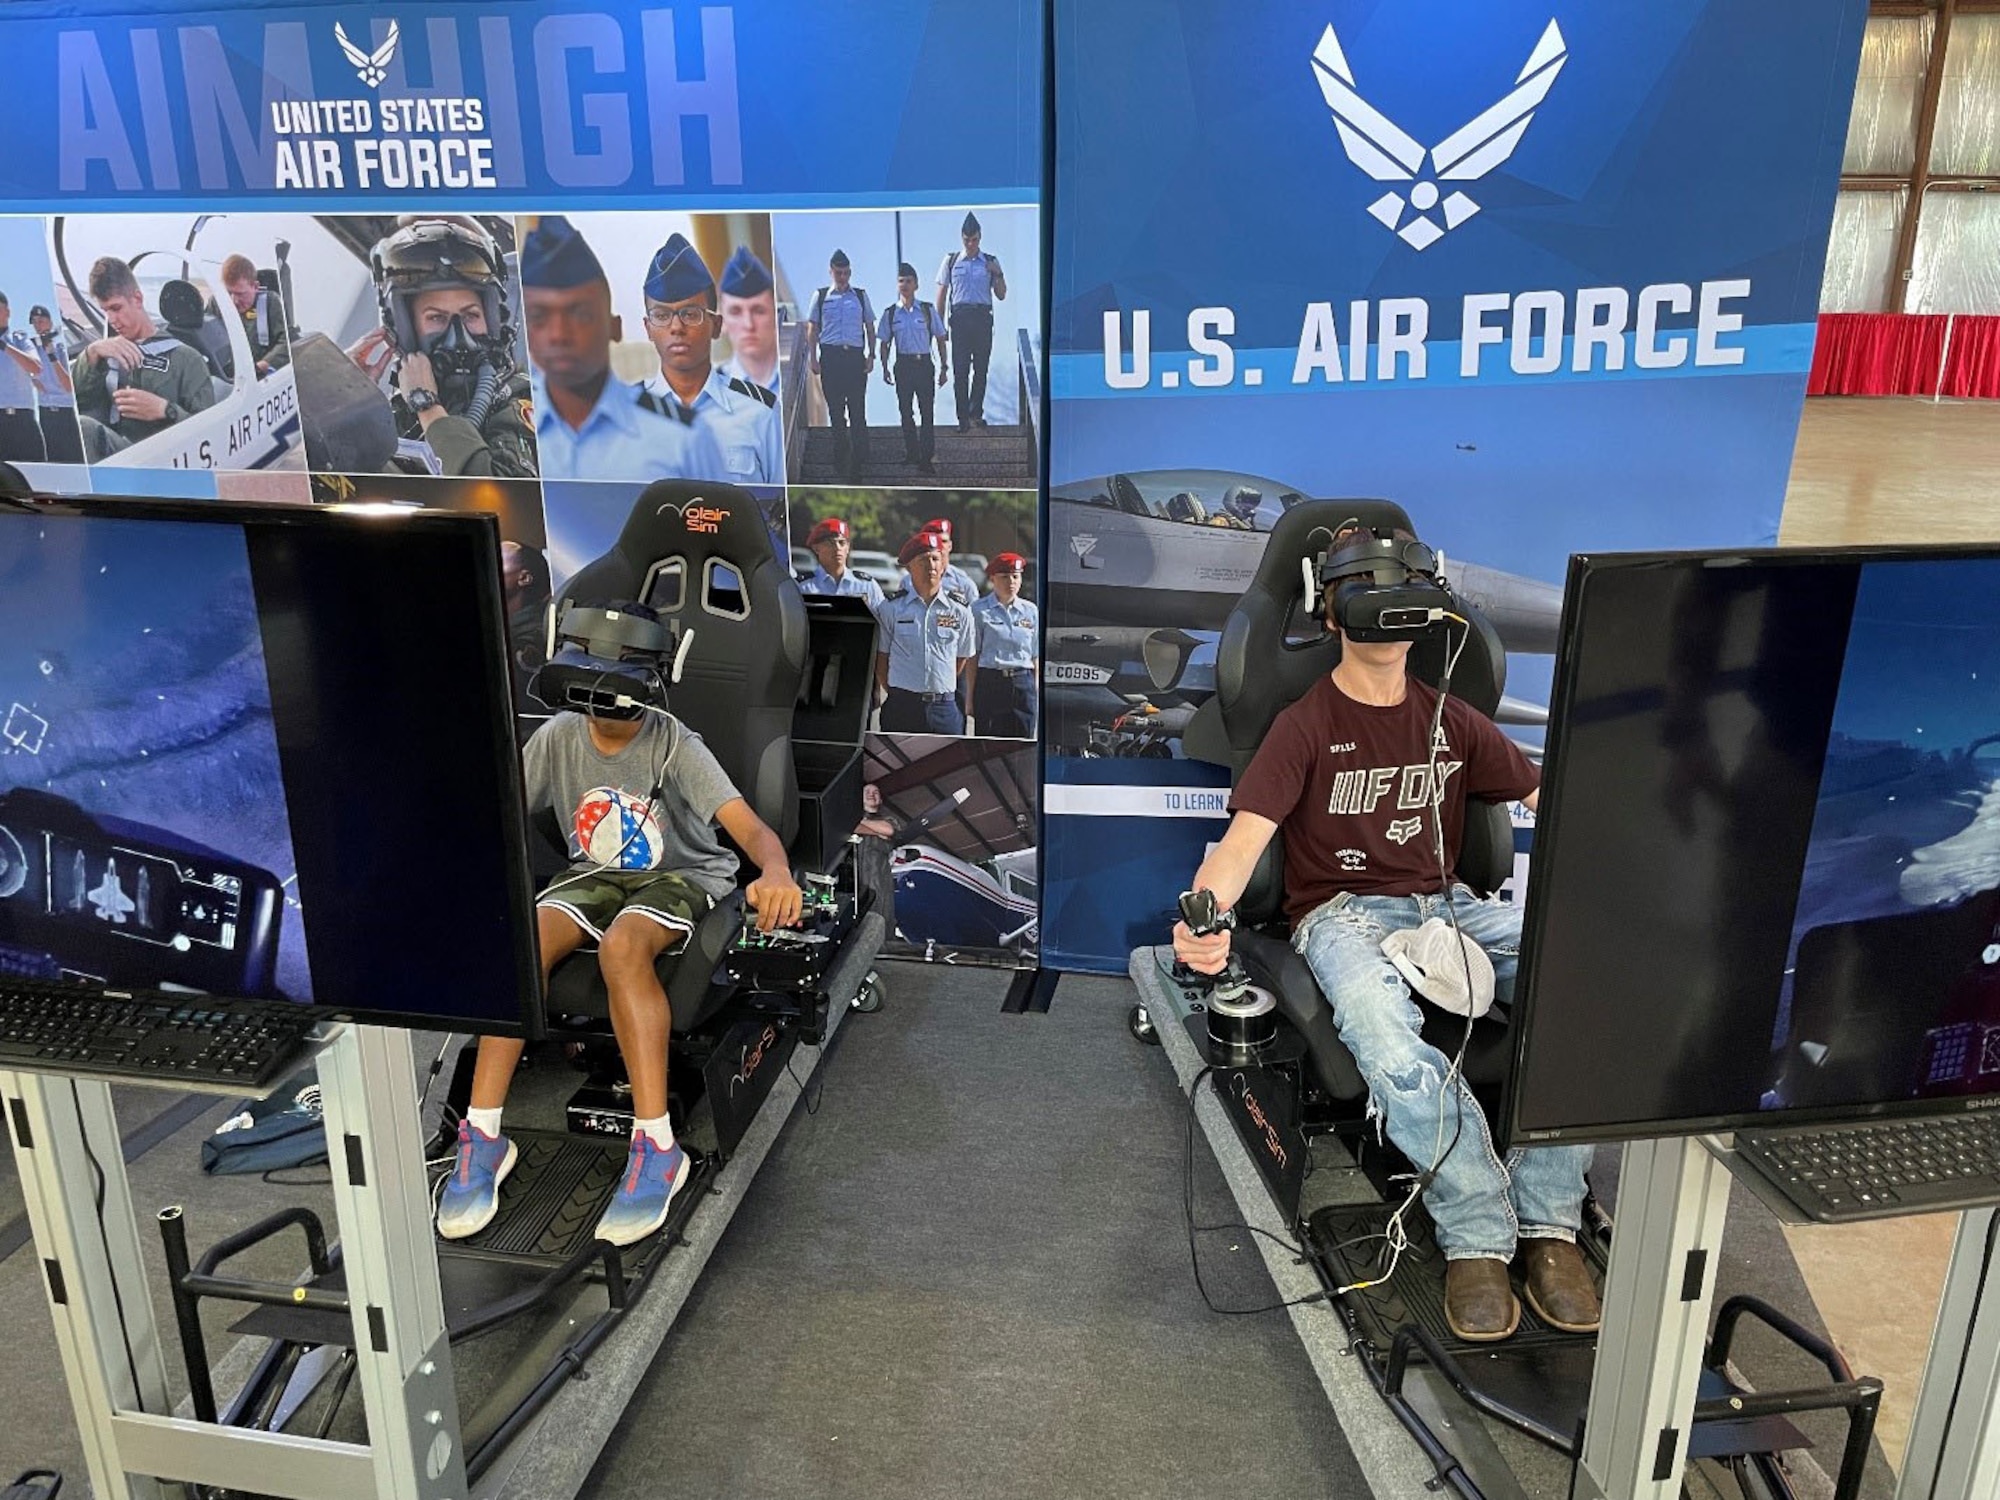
<point>1384,588</point>
<point>614,662</point>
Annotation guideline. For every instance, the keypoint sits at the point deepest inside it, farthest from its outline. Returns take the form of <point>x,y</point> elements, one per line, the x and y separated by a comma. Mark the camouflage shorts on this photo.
<point>596,899</point>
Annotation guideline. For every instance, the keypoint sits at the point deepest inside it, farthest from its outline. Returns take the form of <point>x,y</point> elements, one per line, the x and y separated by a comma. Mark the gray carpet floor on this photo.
<point>967,1275</point>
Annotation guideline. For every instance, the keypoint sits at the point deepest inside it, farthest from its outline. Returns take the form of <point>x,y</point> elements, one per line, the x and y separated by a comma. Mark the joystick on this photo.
<point>1242,1017</point>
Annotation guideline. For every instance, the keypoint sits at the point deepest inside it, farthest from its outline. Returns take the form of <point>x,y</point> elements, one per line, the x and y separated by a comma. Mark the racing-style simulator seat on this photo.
<point>189,318</point>
<point>702,556</point>
<point>1272,650</point>
<point>1538,1380</point>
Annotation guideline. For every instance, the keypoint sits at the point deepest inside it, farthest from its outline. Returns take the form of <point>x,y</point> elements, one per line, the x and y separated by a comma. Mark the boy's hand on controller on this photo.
<point>1205,954</point>
<point>776,899</point>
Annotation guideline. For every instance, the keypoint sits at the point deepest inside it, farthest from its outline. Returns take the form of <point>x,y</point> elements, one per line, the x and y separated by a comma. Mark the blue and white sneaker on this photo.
<point>639,1207</point>
<point>471,1193</point>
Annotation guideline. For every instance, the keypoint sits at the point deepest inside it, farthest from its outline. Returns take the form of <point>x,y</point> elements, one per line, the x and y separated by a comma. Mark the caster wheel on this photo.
<point>1141,1026</point>
<point>868,999</point>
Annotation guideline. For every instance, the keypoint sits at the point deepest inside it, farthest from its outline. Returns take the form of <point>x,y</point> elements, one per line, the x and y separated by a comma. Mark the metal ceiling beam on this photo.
<point>1920,165</point>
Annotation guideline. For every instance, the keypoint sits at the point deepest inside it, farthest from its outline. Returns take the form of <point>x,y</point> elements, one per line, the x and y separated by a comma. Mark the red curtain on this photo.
<point>1877,354</point>
<point>1897,354</point>
<point>1972,367</point>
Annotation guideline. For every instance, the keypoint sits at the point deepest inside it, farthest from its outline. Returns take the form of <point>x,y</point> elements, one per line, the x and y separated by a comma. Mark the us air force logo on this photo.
<point>1389,154</point>
<point>1402,830</point>
<point>370,67</point>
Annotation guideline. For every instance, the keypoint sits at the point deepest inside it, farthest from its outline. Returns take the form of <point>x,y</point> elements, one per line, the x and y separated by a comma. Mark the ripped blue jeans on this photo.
<point>1480,1204</point>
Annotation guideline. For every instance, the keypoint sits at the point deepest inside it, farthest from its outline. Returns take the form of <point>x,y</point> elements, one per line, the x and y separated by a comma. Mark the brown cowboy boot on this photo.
<point>1479,1301</point>
<point>1559,1285</point>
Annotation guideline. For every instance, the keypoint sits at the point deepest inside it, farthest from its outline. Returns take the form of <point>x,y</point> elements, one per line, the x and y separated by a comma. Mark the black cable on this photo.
<point>104,1238</point>
<point>807,1092</point>
<point>652,798</point>
<point>1311,1167</point>
<point>1290,1246</point>
<point>1187,1210</point>
<point>1455,1074</point>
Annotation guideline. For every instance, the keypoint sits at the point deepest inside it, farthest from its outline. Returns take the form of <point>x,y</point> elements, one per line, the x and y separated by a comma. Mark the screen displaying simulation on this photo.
<point>1766,879</point>
<point>261,753</point>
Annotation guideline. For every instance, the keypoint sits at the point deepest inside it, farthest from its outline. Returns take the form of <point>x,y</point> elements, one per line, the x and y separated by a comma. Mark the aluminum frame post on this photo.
<point>1954,1447</point>
<point>1673,1198</point>
<point>375,1147</point>
<point>79,1204</point>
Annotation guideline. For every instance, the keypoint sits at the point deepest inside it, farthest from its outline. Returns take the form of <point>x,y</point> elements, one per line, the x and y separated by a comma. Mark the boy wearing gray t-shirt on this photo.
<point>640,799</point>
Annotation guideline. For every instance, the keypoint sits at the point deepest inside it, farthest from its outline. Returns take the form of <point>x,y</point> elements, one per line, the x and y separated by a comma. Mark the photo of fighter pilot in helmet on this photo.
<point>447,346</point>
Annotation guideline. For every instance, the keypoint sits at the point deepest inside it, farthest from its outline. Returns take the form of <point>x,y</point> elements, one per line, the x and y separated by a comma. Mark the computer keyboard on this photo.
<point>1888,1167</point>
<point>69,1028</point>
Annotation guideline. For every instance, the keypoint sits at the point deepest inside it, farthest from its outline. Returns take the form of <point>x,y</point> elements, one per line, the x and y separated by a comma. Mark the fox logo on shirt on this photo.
<point>1404,829</point>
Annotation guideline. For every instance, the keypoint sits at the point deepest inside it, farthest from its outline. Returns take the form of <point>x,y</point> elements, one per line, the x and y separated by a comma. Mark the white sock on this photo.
<point>661,1131</point>
<point>485,1121</point>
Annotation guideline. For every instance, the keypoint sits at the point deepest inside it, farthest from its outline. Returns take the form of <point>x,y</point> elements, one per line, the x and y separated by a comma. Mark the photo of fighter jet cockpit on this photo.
<point>1144,569</point>
<point>181,338</point>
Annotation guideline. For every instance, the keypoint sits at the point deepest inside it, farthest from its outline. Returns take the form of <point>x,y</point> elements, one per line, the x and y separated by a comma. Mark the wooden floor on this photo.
<point>1895,471</point>
<point>1889,471</point>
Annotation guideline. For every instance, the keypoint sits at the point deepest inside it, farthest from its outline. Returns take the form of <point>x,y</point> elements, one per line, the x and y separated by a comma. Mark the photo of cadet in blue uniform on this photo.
<point>832,543</point>
<point>909,331</point>
<point>20,369</point>
<point>863,296</point>
<point>589,424</point>
<point>55,393</point>
<point>840,332</point>
<point>750,320</point>
<point>1003,693</point>
<point>969,282</point>
<point>682,321</point>
<point>927,635</point>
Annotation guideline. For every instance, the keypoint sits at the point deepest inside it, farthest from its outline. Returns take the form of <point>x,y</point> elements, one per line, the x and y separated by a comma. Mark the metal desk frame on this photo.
<point>80,1206</point>
<point>1673,1198</point>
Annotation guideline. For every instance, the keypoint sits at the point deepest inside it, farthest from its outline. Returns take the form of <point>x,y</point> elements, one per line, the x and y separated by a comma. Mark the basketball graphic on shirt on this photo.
<point>617,830</point>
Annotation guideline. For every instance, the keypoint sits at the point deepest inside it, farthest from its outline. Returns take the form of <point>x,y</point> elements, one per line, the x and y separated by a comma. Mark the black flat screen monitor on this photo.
<point>1766,876</point>
<point>264,752</point>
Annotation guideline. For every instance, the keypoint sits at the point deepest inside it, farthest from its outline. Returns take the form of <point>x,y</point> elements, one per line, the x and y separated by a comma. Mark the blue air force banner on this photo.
<point>1542,273</point>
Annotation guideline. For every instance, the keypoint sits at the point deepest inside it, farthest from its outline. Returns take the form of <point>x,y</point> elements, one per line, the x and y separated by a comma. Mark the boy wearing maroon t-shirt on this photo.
<point>1347,774</point>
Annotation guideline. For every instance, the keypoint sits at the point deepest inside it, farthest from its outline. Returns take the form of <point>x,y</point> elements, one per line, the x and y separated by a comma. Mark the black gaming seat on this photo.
<point>702,556</point>
<point>1272,650</point>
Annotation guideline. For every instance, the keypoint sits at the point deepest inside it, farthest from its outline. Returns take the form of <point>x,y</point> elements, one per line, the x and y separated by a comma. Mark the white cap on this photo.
<point>1435,959</point>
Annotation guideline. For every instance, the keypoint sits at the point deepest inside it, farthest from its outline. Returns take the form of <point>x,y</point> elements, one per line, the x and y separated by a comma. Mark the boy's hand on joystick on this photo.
<point>1201,937</point>
<point>776,899</point>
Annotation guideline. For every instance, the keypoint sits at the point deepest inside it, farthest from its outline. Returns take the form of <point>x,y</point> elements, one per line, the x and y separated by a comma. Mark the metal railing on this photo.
<point>1029,359</point>
<point>797,394</point>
